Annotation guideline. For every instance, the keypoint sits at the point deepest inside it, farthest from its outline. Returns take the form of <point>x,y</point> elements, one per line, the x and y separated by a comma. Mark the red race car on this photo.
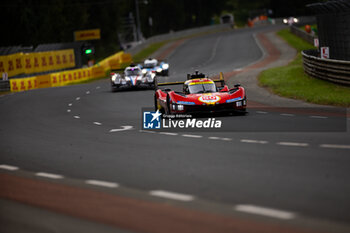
<point>200,95</point>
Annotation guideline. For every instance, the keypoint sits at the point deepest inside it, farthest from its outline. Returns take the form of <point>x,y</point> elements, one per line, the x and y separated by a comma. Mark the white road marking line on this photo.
<point>214,138</point>
<point>78,98</point>
<point>68,110</point>
<point>97,123</point>
<point>239,69</point>
<point>146,131</point>
<point>98,87</point>
<point>226,139</point>
<point>77,117</point>
<point>280,214</point>
<point>319,117</point>
<point>88,92</point>
<point>287,114</point>
<point>334,146</point>
<point>8,167</point>
<point>172,195</point>
<point>168,133</point>
<point>49,175</point>
<point>261,112</point>
<point>124,128</point>
<point>70,104</point>
<point>292,144</point>
<point>102,183</point>
<point>254,141</point>
<point>191,136</point>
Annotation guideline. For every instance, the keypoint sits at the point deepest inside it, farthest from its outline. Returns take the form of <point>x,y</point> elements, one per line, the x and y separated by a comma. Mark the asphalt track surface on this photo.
<point>87,132</point>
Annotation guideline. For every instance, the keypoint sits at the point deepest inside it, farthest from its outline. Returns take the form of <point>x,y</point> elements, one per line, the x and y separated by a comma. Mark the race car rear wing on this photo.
<point>221,80</point>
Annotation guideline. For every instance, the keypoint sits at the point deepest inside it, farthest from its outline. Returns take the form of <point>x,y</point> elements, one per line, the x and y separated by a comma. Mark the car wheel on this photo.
<point>114,89</point>
<point>155,102</point>
<point>155,83</point>
<point>168,111</point>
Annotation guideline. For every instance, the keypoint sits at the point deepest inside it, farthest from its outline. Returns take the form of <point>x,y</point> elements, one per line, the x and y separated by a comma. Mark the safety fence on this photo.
<point>63,78</point>
<point>302,34</point>
<point>327,69</point>
<point>38,62</point>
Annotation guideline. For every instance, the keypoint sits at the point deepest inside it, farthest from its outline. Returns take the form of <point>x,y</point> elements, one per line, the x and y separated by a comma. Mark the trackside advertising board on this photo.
<point>92,34</point>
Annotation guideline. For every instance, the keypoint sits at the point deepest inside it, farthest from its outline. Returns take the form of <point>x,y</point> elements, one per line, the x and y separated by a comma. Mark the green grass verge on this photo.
<point>145,53</point>
<point>292,82</point>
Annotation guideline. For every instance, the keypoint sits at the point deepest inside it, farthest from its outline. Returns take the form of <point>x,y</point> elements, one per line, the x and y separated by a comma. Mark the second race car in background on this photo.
<point>133,78</point>
<point>155,66</point>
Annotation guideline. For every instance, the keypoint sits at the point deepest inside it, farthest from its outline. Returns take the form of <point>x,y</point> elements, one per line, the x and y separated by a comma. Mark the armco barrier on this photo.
<point>4,85</point>
<point>302,34</point>
<point>328,69</point>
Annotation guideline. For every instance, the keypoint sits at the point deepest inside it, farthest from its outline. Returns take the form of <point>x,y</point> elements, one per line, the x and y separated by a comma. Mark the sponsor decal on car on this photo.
<point>209,99</point>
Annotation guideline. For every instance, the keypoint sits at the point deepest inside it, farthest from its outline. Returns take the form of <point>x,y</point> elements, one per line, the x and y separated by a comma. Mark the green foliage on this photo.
<point>294,41</point>
<point>145,53</point>
<point>292,82</point>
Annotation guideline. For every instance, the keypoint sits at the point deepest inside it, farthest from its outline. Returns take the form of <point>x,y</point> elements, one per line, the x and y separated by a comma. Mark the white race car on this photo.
<point>132,77</point>
<point>155,66</point>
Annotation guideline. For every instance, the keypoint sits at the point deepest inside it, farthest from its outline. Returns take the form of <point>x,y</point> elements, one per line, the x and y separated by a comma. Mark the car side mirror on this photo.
<point>237,85</point>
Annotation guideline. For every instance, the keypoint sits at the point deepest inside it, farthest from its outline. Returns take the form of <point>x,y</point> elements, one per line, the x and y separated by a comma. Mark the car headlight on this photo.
<point>295,20</point>
<point>144,71</point>
<point>285,21</point>
<point>113,78</point>
<point>165,66</point>
<point>159,70</point>
<point>178,107</point>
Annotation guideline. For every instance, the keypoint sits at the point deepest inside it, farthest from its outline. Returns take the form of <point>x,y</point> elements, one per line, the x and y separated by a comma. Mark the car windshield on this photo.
<point>130,72</point>
<point>149,65</point>
<point>202,88</point>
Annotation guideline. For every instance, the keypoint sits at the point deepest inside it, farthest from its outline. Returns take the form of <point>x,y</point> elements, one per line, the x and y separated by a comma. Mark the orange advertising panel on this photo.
<point>92,34</point>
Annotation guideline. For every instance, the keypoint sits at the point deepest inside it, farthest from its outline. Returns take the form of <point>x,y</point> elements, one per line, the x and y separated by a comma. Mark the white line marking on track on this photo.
<point>172,195</point>
<point>97,123</point>
<point>265,211</point>
<point>88,92</point>
<point>287,114</point>
<point>214,138</point>
<point>146,131</point>
<point>77,117</point>
<point>191,136</point>
<point>102,183</point>
<point>319,117</point>
<point>254,141</point>
<point>335,146</point>
<point>68,110</point>
<point>226,139</point>
<point>261,112</point>
<point>70,104</point>
<point>98,87</point>
<point>8,167</point>
<point>49,175</point>
<point>169,133</point>
<point>292,144</point>
<point>78,98</point>
<point>239,69</point>
<point>124,128</point>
